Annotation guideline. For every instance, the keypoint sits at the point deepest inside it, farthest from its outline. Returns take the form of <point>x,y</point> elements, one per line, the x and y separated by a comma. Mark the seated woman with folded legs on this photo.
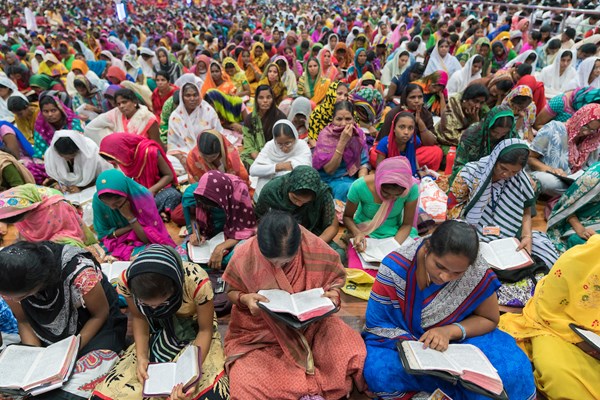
<point>126,219</point>
<point>171,304</point>
<point>267,359</point>
<point>438,290</point>
<point>495,195</point>
<point>56,291</point>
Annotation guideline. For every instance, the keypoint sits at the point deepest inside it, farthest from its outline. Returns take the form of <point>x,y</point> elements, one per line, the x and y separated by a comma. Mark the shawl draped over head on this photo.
<point>313,88</point>
<point>537,87</point>
<point>278,88</point>
<point>461,79</point>
<point>171,67</point>
<point>137,157</point>
<point>370,101</point>
<point>49,216</point>
<point>164,261</point>
<point>257,124</point>
<point>315,265</point>
<point>432,100</point>
<point>580,147</point>
<point>143,206</point>
<point>322,114</point>
<point>5,114</point>
<point>552,78</point>
<point>7,159</point>
<point>584,71</point>
<point>327,144</point>
<point>46,130</point>
<point>261,61</point>
<point>115,121</point>
<point>394,171</point>
<point>530,111</point>
<point>231,194</point>
<point>449,64</point>
<point>343,60</point>
<point>316,215</point>
<point>273,153</point>
<point>226,86</point>
<point>117,73</point>
<point>411,146</point>
<point>87,164</point>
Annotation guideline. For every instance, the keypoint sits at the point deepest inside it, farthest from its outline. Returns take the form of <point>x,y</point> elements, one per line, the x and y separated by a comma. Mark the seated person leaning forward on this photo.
<point>267,359</point>
<point>438,290</point>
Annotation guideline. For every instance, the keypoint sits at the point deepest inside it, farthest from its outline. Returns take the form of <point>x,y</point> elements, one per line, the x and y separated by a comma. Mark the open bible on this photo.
<point>298,309</point>
<point>502,254</point>
<point>376,251</point>
<point>201,254</point>
<point>460,363</point>
<point>79,198</point>
<point>162,377</point>
<point>36,370</point>
<point>569,179</point>
<point>114,270</point>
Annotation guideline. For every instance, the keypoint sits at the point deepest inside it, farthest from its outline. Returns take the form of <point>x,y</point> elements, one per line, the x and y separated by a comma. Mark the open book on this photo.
<point>502,254</point>
<point>201,254</point>
<point>463,363</point>
<point>36,370</point>
<point>298,309</point>
<point>589,337</point>
<point>114,270</point>
<point>569,179</point>
<point>162,377</point>
<point>79,198</point>
<point>376,251</point>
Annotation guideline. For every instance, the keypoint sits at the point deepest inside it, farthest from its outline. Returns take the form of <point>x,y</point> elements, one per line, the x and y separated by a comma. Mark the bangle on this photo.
<point>114,234</point>
<point>463,330</point>
<point>339,152</point>
<point>132,220</point>
<point>239,299</point>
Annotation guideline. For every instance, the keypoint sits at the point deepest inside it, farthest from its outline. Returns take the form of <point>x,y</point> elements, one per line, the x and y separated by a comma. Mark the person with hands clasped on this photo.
<point>171,304</point>
<point>438,290</point>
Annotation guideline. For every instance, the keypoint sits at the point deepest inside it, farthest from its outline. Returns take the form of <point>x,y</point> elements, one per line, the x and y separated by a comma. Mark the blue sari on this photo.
<point>399,310</point>
<point>26,147</point>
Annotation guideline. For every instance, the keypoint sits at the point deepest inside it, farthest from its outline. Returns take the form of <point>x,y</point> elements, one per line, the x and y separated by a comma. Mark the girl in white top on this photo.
<point>558,76</point>
<point>280,155</point>
<point>442,60</point>
<point>588,74</point>
<point>471,71</point>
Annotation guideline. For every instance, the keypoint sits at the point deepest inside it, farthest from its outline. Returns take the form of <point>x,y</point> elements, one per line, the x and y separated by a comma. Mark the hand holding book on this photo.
<point>439,338</point>
<point>250,301</point>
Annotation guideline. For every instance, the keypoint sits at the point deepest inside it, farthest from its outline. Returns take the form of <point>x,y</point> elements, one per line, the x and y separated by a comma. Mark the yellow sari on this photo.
<point>569,294</point>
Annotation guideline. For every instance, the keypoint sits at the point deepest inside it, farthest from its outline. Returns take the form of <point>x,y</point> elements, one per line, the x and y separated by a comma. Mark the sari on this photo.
<point>482,203</point>
<point>584,72</point>
<point>173,326</point>
<point>448,64</point>
<point>356,71</point>
<point>315,88</point>
<point>115,121</point>
<point>332,72</point>
<point>582,200</point>
<point>158,101</point>
<point>261,61</point>
<point>580,149</point>
<point>567,295</point>
<point>239,78</point>
<point>537,88</point>
<point>316,216</point>
<point>227,86</point>
<point>279,89</point>
<point>171,67</point>
<point>454,121</point>
<point>85,167</point>
<point>231,195</point>
<point>432,100</point>
<point>48,216</point>
<point>460,80</point>
<point>12,172</point>
<point>230,162</point>
<point>44,131</point>
<point>530,112</point>
<point>26,124</point>
<point>94,96</point>
<point>266,359</point>
<point>371,102</point>
<point>399,310</point>
<point>392,69</point>
<point>343,55</point>
<point>107,220</point>
<point>476,142</point>
<point>229,108</point>
<point>500,61</point>
<point>563,106</point>
<point>554,82</point>
<point>323,113</point>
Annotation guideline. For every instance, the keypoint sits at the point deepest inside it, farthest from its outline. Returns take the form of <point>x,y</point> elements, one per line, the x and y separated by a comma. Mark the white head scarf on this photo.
<point>521,59</point>
<point>583,74</point>
<point>436,63</point>
<point>392,69</point>
<point>5,114</point>
<point>460,80</point>
<point>554,82</point>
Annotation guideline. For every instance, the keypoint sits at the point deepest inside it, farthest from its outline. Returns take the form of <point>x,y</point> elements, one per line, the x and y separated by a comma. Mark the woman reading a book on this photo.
<point>171,303</point>
<point>125,216</point>
<point>268,359</point>
<point>565,366</point>
<point>381,206</point>
<point>56,291</point>
<point>438,290</point>
<point>495,195</point>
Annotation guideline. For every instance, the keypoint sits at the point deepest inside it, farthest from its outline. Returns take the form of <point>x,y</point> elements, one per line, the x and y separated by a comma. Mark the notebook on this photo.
<point>163,377</point>
<point>201,254</point>
<point>298,309</point>
<point>502,254</point>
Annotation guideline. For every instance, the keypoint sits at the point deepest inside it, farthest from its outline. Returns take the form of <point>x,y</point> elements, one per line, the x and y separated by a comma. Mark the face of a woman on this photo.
<point>498,50</point>
<point>264,100</point>
<point>212,158</point>
<point>404,129</point>
<point>343,118</point>
<point>299,122</point>
<point>592,128</point>
<point>391,192</point>
<point>215,74</point>
<point>273,74</point>
<point>4,92</point>
<point>504,171</point>
<point>475,103</point>
<point>362,58</point>
<point>162,57</point>
<point>341,93</point>
<point>289,52</point>
<point>333,42</point>
<point>201,67</point>
<point>436,88</point>
<point>564,63</point>
<point>51,113</point>
<point>326,59</point>
<point>313,68</point>
<point>446,268</point>
<point>126,106</point>
<point>284,143</point>
<point>414,100</point>
<point>595,72</point>
<point>191,97</point>
<point>258,52</point>
<point>83,92</point>
<point>114,202</point>
<point>443,49</point>
<point>499,132</point>
<point>299,200</point>
<point>230,70</point>
<point>402,60</point>
<point>478,33</point>
<point>519,108</point>
<point>161,82</point>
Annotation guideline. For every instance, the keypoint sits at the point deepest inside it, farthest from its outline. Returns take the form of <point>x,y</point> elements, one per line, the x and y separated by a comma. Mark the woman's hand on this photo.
<point>360,243</point>
<point>283,166</point>
<point>557,171</point>
<point>436,338</point>
<point>179,394</point>
<point>585,233</point>
<point>525,243</point>
<point>126,211</point>
<point>346,136</point>
<point>334,296</point>
<point>250,300</point>
<point>237,127</point>
<point>312,143</point>
<point>142,370</point>
<point>73,189</point>
<point>216,258</point>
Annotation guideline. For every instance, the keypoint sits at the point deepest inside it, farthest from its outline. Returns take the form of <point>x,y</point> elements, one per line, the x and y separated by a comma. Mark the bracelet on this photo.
<point>132,220</point>
<point>239,298</point>
<point>463,330</point>
<point>339,152</point>
<point>114,234</point>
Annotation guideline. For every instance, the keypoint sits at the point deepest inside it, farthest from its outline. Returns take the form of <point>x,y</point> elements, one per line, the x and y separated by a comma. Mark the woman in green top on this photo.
<point>258,126</point>
<point>381,206</point>
<point>12,172</point>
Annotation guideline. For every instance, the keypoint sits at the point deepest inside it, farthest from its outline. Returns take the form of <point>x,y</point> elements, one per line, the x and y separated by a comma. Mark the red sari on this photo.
<point>158,101</point>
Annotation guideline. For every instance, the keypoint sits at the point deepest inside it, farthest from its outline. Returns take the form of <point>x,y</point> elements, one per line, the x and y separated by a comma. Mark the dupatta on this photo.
<point>579,150</point>
<point>327,144</point>
<point>46,130</point>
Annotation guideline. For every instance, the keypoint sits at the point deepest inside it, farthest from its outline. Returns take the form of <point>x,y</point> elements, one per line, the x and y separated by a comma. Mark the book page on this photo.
<point>161,379</point>
<point>201,254</point>
<point>589,335</point>
<point>114,270</point>
<point>486,251</point>
<point>470,358</point>
<point>187,368</point>
<point>506,252</point>
<point>279,300</point>
<point>82,197</point>
<point>52,361</point>
<point>15,363</point>
<point>429,359</point>
<point>576,175</point>
<point>311,300</point>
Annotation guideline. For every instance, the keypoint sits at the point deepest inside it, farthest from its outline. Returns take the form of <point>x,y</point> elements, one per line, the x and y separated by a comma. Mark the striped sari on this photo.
<point>481,202</point>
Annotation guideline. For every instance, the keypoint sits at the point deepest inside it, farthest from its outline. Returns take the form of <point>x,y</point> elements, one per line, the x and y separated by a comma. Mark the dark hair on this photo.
<point>305,193</point>
<point>554,44</point>
<point>566,53</point>
<point>205,201</point>
<point>588,48</point>
<point>278,235</point>
<point>535,35</point>
<point>79,84</point>
<point>503,122</point>
<point>109,196</point>
<point>343,105</point>
<point>127,94</point>
<point>208,144</point>
<point>151,285</point>
<point>282,64</point>
<point>404,114</point>
<point>521,100</point>
<point>66,146</point>
<point>16,104</point>
<point>514,157</point>
<point>504,85</point>
<point>262,88</point>
<point>426,32</point>
<point>478,59</point>
<point>412,46</point>
<point>164,74</point>
<point>25,266</point>
<point>524,69</point>
<point>441,42</point>
<point>454,237</point>
<point>176,98</point>
<point>45,100</point>
<point>283,130</point>
<point>570,32</point>
<point>418,68</point>
<point>474,91</point>
<point>409,88</point>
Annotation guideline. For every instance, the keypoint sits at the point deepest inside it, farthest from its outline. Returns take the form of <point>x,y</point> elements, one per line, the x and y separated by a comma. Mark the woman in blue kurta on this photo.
<point>438,290</point>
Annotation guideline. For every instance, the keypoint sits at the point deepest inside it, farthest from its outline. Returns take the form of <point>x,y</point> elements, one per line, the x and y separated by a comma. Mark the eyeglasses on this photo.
<point>287,145</point>
<point>165,303</point>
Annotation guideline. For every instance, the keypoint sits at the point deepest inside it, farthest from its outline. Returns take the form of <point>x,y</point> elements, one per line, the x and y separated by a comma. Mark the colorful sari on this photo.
<point>115,121</point>
<point>332,72</point>
<point>399,310</point>
<point>528,120</point>
<point>279,88</point>
<point>432,100</point>
<point>261,61</point>
<point>313,88</point>
<point>107,220</point>
<point>567,295</point>
<point>356,71</point>
<point>227,86</point>
<point>344,56</point>
<point>562,107</point>
<point>323,113</point>
<point>44,131</point>
<point>239,79</point>
<point>454,121</point>
<point>266,359</point>
<point>47,216</point>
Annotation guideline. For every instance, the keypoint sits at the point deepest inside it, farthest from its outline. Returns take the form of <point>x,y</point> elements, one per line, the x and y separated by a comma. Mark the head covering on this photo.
<point>46,130</point>
<point>230,193</point>
<point>432,100</point>
<point>537,88</point>
<point>299,153</point>
<point>80,65</point>
<point>5,114</point>
<point>327,143</point>
<point>261,61</point>
<point>371,101</point>
<point>461,79</point>
<point>117,73</point>
<point>300,105</point>
<point>530,111</point>
<point>343,60</point>
<point>583,74</point>
<point>555,81</point>
<point>581,147</point>
<point>226,86</point>
<point>520,59</point>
